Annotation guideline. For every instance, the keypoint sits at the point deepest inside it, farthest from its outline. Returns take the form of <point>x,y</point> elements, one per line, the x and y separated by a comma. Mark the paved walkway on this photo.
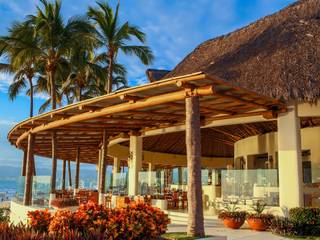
<point>215,228</point>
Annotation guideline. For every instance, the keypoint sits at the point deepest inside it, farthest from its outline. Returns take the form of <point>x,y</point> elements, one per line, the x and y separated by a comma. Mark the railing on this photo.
<point>246,186</point>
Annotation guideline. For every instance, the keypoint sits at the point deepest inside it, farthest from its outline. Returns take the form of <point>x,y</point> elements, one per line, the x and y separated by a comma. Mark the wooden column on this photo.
<point>77,176</point>
<point>27,198</point>
<point>64,174</point>
<point>24,163</point>
<point>54,162</point>
<point>102,169</point>
<point>193,146</point>
<point>69,173</point>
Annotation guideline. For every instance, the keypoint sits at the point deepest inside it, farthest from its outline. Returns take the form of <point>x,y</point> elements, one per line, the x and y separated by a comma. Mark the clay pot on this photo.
<point>234,223</point>
<point>257,224</point>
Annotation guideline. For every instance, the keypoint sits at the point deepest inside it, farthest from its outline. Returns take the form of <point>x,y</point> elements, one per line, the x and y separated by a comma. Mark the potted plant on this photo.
<point>258,220</point>
<point>231,216</point>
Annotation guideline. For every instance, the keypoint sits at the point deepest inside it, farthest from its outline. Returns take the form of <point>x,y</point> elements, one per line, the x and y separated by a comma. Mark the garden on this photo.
<point>300,222</point>
<point>90,222</point>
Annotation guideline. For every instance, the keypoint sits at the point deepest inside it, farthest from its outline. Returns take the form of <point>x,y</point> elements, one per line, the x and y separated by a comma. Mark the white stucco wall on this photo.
<point>268,144</point>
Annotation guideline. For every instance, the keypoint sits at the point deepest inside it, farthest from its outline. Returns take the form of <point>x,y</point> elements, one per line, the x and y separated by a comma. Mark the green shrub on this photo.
<point>282,226</point>
<point>306,221</point>
<point>4,215</point>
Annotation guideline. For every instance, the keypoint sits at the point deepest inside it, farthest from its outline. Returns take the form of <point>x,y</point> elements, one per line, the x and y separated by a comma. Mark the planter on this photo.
<point>257,224</point>
<point>234,223</point>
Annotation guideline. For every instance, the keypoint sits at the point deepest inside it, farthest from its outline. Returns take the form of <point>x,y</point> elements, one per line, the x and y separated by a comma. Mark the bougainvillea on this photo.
<point>136,221</point>
<point>39,220</point>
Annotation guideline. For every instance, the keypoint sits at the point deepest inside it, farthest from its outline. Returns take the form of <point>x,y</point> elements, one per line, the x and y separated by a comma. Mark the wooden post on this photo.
<point>34,167</point>
<point>24,163</point>
<point>27,198</point>
<point>77,169</point>
<point>69,173</point>
<point>54,162</point>
<point>102,169</point>
<point>193,145</point>
<point>63,174</point>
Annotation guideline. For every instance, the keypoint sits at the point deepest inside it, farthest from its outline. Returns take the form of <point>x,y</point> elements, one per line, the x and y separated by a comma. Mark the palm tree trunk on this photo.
<point>31,97</point>
<point>53,90</point>
<point>110,77</point>
<point>193,145</point>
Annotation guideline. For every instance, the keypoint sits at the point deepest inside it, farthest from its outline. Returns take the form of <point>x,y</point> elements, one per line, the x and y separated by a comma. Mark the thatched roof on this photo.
<point>277,56</point>
<point>156,74</point>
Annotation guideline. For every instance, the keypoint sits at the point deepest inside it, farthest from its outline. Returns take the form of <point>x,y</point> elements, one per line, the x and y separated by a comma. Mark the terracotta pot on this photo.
<point>257,224</point>
<point>233,223</point>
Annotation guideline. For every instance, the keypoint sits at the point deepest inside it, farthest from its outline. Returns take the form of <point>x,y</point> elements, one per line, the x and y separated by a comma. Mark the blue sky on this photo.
<point>173,28</point>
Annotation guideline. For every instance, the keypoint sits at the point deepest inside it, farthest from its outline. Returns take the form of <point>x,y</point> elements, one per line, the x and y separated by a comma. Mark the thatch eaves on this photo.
<point>277,56</point>
<point>156,74</point>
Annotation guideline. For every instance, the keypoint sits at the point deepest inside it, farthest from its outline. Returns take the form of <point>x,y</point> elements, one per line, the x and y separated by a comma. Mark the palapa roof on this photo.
<point>138,110</point>
<point>156,74</point>
<point>277,56</point>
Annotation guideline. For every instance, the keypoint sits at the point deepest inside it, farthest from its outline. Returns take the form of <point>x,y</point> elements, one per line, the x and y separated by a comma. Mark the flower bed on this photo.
<point>137,221</point>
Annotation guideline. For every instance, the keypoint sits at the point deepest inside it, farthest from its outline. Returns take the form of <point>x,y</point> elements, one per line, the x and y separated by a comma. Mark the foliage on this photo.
<point>301,222</point>
<point>39,220</point>
<point>258,209</point>
<point>64,202</point>
<point>4,215</point>
<point>22,232</point>
<point>114,37</point>
<point>306,220</point>
<point>231,211</point>
<point>137,221</point>
<point>282,226</point>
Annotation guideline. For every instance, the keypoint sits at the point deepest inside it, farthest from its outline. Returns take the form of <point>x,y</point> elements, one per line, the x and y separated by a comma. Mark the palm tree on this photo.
<point>114,37</point>
<point>85,74</point>
<point>56,39</point>
<point>22,61</point>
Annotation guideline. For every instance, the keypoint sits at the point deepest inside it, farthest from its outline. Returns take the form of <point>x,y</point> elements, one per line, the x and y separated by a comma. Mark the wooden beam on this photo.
<point>147,102</point>
<point>69,173</point>
<point>24,163</point>
<point>54,162</point>
<point>102,173</point>
<point>77,175</point>
<point>63,174</point>
<point>27,198</point>
<point>129,98</point>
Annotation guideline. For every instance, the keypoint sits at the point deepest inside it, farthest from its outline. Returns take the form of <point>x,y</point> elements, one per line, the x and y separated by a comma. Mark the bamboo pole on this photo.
<point>69,173</point>
<point>77,176</point>
<point>27,198</point>
<point>24,163</point>
<point>122,107</point>
<point>54,162</point>
<point>193,145</point>
<point>102,174</point>
<point>63,174</point>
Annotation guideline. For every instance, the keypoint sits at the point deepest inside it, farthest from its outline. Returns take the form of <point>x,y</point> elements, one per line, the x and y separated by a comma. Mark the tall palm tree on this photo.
<point>56,39</point>
<point>84,76</point>
<point>114,37</point>
<point>22,61</point>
